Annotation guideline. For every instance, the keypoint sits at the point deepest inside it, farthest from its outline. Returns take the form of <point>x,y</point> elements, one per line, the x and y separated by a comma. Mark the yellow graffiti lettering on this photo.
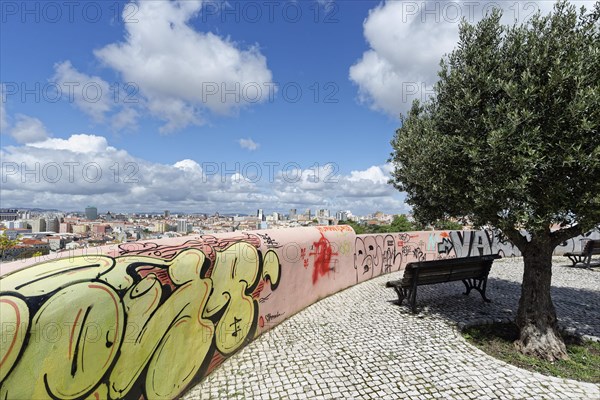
<point>157,334</point>
<point>14,321</point>
<point>46,277</point>
<point>101,327</point>
<point>74,338</point>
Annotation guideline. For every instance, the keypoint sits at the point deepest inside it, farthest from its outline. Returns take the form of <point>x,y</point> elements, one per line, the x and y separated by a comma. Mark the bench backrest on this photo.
<point>451,269</point>
<point>592,247</point>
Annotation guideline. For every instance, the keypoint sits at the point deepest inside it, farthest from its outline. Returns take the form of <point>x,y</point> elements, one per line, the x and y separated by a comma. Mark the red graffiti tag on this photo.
<point>323,254</point>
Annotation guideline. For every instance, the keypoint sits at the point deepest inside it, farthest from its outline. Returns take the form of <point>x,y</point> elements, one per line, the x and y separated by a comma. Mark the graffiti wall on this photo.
<point>147,320</point>
<point>377,254</point>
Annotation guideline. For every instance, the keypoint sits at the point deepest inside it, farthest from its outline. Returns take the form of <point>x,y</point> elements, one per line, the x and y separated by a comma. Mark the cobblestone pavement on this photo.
<point>357,344</point>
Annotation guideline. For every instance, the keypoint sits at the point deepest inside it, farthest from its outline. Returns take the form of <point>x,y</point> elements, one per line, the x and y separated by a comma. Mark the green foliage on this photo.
<point>447,225</point>
<point>511,137</point>
<point>6,243</point>
<point>401,224</point>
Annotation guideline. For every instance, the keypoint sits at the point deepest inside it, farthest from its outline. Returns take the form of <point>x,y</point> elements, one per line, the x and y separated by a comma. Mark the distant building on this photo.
<point>160,226</point>
<point>182,226</point>
<point>38,225</point>
<point>167,213</point>
<point>341,216</point>
<point>9,214</point>
<point>307,214</point>
<point>101,229</point>
<point>293,214</point>
<point>91,213</point>
<point>55,242</point>
<point>52,225</point>
<point>65,227</point>
<point>81,229</point>
<point>323,213</point>
<point>260,215</point>
<point>14,233</point>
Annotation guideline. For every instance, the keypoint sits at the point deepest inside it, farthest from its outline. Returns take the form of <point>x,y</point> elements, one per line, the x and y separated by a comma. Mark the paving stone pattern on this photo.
<point>357,344</point>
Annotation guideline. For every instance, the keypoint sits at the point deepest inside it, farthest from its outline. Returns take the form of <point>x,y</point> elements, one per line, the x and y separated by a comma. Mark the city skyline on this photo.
<point>228,106</point>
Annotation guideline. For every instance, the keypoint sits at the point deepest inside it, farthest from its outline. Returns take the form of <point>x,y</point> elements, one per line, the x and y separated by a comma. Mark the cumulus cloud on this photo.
<point>408,39</point>
<point>85,169</point>
<point>188,165</point>
<point>28,129</point>
<point>182,73</point>
<point>91,94</point>
<point>374,174</point>
<point>248,144</point>
<point>81,143</point>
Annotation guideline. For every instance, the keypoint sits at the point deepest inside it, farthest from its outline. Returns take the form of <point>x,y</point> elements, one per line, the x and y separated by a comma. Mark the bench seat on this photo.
<point>472,271</point>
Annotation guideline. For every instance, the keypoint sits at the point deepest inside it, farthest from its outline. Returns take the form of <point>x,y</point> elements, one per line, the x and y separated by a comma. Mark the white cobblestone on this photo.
<point>357,344</point>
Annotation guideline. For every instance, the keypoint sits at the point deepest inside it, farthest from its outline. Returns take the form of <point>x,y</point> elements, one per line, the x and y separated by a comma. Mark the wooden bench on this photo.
<point>472,271</point>
<point>584,256</point>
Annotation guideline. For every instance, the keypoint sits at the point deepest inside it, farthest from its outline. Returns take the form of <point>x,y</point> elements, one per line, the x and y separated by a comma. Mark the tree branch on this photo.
<point>516,238</point>
<point>561,235</point>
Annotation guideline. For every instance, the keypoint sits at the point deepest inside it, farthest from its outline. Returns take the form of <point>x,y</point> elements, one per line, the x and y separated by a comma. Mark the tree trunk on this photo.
<point>536,317</point>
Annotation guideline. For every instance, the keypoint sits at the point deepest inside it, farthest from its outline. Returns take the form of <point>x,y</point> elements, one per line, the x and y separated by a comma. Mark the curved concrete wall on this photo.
<point>149,319</point>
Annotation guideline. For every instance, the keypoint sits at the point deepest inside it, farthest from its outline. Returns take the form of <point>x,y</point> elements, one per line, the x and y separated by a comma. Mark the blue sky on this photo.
<point>215,106</point>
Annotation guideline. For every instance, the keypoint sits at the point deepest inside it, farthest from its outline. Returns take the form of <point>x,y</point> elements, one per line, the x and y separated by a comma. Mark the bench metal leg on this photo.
<point>478,284</point>
<point>586,260</point>
<point>413,297</point>
<point>402,294</point>
<point>577,259</point>
<point>407,293</point>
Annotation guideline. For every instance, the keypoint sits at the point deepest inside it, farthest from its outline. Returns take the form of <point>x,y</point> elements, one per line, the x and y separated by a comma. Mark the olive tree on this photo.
<point>510,140</point>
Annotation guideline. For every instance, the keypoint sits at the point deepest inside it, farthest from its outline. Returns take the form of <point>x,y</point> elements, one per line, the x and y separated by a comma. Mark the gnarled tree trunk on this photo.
<point>536,317</point>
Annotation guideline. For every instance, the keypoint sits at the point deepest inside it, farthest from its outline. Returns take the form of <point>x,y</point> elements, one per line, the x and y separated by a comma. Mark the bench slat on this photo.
<point>472,271</point>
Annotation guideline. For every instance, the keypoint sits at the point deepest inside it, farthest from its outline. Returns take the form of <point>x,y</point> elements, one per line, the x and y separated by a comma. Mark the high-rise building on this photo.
<point>38,225</point>
<point>322,213</point>
<point>182,226</point>
<point>260,215</point>
<point>293,214</point>
<point>52,224</point>
<point>91,213</point>
<point>167,213</point>
<point>341,216</point>
<point>307,213</point>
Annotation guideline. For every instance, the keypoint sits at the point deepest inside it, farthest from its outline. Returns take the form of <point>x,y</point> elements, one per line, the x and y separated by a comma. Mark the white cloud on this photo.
<point>408,39</point>
<point>85,169</point>
<point>374,174</point>
<point>182,73</point>
<point>188,165</point>
<point>248,144</point>
<point>125,119</point>
<point>4,125</point>
<point>81,143</point>
<point>91,94</point>
<point>28,129</point>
